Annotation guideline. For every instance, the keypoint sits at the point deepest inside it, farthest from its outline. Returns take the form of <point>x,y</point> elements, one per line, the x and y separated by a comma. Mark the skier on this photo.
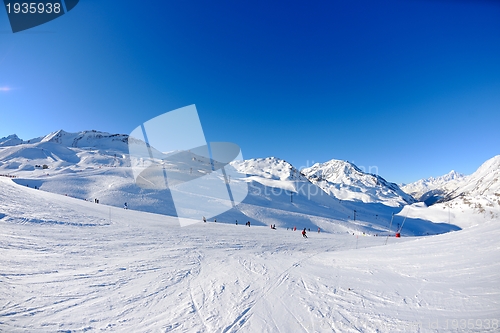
<point>319,230</point>
<point>204,219</point>
<point>125,206</point>
<point>304,233</point>
<point>294,228</point>
<point>236,222</point>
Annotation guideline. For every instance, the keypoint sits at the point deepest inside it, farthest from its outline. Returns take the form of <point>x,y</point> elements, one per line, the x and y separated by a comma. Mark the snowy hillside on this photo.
<point>474,198</point>
<point>272,172</point>
<point>89,139</point>
<point>10,140</point>
<point>68,265</point>
<point>484,182</point>
<point>345,181</point>
<point>94,165</point>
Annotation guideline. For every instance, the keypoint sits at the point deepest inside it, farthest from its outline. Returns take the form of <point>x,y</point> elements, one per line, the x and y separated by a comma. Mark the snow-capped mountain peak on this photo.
<point>10,140</point>
<point>485,181</point>
<point>423,189</point>
<point>345,181</point>
<point>336,171</point>
<point>93,138</point>
<point>268,168</point>
<point>452,175</point>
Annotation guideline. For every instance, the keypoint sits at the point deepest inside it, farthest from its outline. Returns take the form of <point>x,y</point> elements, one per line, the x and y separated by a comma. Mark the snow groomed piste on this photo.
<point>70,264</point>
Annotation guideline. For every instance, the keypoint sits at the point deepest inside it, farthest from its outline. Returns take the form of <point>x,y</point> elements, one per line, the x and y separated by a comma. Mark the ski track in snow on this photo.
<point>68,265</point>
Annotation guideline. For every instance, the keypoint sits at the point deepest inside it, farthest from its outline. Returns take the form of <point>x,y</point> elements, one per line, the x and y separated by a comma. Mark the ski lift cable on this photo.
<point>390,226</point>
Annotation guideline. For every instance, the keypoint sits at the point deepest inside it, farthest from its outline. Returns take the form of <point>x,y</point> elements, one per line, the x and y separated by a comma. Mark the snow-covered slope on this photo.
<point>10,140</point>
<point>345,181</point>
<point>272,172</point>
<point>89,139</point>
<point>93,165</point>
<point>68,265</point>
<point>474,198</point>
<point>484,182</point>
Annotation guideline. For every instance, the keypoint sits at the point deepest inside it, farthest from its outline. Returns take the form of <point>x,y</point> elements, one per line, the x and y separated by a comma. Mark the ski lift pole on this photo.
<point>390,226</point>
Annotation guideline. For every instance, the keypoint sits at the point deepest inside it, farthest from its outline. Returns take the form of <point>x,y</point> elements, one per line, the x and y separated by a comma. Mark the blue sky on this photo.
<point>408,88</point>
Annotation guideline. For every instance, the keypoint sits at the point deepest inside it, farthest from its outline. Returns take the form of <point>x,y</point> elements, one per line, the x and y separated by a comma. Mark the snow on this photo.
<point>432,189</point>
<point>70,265</point>
<point>10,140</point>
<point>465,201</point>
<point>483,182</point>
<point>93,165</point>
<point>94,139</point>
<point>343,180</point>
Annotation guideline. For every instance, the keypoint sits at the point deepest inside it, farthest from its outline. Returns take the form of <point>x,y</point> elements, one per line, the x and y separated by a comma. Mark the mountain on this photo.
<point>11,140</point>
<point>96,165</point>
<point>465,201</point>
<point>432,189</point>
<point>345,181</point>
<point>271,171</point>
<point>61,151</point>
<point>485,181</point>
<point>89,139</point>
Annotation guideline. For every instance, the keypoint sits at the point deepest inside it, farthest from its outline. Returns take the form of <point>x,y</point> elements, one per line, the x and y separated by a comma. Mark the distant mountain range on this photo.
<point>432,189</point>
<point>485,181</point>
<point>84,139</point>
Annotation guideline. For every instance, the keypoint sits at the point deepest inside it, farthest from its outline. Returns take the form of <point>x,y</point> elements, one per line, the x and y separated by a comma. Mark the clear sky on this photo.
<point>411,88</point>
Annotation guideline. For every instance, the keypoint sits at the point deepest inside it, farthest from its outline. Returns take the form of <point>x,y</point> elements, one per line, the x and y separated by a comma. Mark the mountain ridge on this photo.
<point>94,164</point>
<point>337,177</point>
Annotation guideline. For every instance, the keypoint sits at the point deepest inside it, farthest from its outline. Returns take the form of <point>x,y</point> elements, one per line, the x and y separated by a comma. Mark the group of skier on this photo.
<point>273,226</point>
<point>215,220</point>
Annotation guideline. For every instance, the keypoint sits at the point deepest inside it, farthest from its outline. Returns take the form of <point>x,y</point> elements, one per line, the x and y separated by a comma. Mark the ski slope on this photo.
<point>68,265</point>
<point>93,165</point>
